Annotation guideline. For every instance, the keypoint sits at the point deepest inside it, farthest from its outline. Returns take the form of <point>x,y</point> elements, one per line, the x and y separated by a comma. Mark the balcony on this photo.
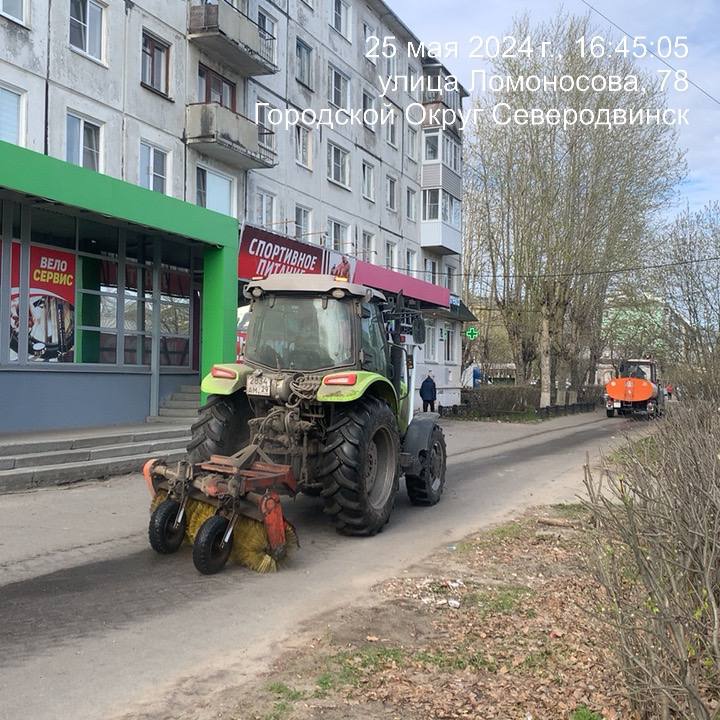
<point>440,237</point>
<point>221,30</point>
<point>227,136</point>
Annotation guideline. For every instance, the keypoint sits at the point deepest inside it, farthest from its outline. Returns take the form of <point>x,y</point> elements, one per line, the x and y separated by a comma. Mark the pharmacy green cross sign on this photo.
<point>471,333</point>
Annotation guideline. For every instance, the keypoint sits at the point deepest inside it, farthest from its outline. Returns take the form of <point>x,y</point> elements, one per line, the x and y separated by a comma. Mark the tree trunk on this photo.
<point>545,345</point>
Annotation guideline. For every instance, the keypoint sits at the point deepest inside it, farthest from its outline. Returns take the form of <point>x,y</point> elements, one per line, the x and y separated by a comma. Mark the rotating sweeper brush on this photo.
<point>228,507</point>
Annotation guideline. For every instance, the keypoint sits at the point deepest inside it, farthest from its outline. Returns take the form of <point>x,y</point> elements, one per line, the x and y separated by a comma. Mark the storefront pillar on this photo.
<point>219,306</point>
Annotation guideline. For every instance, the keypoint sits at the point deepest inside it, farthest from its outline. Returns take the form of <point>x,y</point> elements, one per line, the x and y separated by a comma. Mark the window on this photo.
<point>10,116</point>
<point>302,221</point>
<point>214,88</point>
<point>452,154</point>
<point>338,88</point>
<point>373,340</point>
<point>13,8</point>
<point>338,165</point>
<point>451,210</point>
<point>391,129</point>
<point>214,191</point>
<point>153,167</point>
<point>410,262</point>
<point>303,151</point>
<point>369,32</point>
<point>340,19</point>
<point>450,278</point>
<point>303,63</point>
<point>389,255</point>
<point>368,105</point>
<point>449,343</point>
<point>412,144</point>
<point>431,204</point>
<point>265,209</point>
<point>430,340</point>
<point>390,193</point>
<point>337,235</point>
<point>266,137</point>
<point>368,181</point>
<point>390,60</point>
<point>86,27</point>
<point>413,83</point>
<point>83,142</point>
<point>411,205</point>
<point>268,27</point>
<point>432,147</point>
<point>431,271</point>
<point>155,63</point>
<point>368,241</point>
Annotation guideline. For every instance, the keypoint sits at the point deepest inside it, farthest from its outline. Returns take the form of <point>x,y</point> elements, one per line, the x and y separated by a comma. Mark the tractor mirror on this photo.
<point>418,330</point>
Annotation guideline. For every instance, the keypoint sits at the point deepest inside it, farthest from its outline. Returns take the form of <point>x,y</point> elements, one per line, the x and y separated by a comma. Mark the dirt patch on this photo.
<point>502,624</point>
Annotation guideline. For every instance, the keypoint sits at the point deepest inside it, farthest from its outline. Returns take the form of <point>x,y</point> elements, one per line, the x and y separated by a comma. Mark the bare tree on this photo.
<point>552,203</point>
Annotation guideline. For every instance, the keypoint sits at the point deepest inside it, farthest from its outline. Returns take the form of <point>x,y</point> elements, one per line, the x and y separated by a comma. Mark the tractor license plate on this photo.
<point>617,404</point>
<point>258,386</point>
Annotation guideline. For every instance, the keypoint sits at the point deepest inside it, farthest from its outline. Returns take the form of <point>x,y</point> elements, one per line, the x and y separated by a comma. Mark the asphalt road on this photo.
<point>94,625</point>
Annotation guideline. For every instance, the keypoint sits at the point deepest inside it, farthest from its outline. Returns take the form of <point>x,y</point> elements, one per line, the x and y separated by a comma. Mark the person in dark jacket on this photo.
<point>428,393</point>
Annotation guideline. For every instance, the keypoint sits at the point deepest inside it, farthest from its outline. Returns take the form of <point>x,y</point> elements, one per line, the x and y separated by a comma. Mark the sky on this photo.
<point>699,20</point>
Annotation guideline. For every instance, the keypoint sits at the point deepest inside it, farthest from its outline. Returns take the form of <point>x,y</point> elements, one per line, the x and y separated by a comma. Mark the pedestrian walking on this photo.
<point>428,393</point>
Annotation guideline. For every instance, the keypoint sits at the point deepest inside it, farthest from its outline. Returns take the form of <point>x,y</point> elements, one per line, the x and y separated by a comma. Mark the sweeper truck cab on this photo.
<point>321,404</point>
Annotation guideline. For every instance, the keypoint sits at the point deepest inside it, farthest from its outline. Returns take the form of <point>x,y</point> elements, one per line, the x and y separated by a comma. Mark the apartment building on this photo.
<point>161,95</point>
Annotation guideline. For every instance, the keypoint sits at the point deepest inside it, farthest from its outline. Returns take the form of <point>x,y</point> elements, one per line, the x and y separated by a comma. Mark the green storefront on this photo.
<point>111,296</point>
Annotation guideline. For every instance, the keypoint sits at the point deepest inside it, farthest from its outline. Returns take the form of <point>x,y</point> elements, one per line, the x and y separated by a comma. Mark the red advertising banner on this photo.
<point>51,304</point>
<point>266,253</point>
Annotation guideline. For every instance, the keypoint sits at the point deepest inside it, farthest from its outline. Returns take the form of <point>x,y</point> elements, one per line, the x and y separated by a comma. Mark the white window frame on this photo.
<point>431,271</point>
<point>411,204</point>
<point>334,241</point>
<point>451,210</point>
<point>83,121</point>
<point>231,182</point>
<point>412,144</point>
<point>410,262</point>
<point>344,165</point>
<point>345,18</point>
<point>391,129</point>
<point>452,154</point>
<point>391,62</point>
<point>450,278</point>
<point>391,183</point>
<point>261,198</point>
<point>269,18</point>
<point>426,135</point>
<point>368,32</point>
<point>333,74</point>
<point>266,137</point>
<point>430,341</point>
<point>21,96</point>
<point>306,227</point>
<point>307,82</point>
<point>303,146</point>
<point>7,14</point>
<point>154,149</point>
<point>390,251</point>
<point>86,50</point>
<point>425,204</point>
<point>450,355</point>
<point>371,106</point>
<point>368,245</point>
<point>368,181</point>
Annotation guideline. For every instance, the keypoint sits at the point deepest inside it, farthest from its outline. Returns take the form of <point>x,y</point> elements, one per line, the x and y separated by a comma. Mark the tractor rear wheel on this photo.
<point>427,487</point>
<point>221,427</point>
<point>359,467</point>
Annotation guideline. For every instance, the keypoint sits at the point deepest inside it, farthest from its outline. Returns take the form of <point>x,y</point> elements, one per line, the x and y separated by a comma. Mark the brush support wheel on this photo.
<point>209,552</point>
<point>164,534</point>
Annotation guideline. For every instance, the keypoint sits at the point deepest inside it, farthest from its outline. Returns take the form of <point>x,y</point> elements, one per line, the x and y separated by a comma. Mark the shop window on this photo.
<point>175,316</point>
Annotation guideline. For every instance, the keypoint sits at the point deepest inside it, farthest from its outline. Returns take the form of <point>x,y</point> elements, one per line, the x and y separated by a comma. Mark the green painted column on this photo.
<point>219,306</point>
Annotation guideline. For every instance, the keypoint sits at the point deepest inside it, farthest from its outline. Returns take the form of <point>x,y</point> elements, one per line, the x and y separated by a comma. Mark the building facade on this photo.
<point>162,96</point>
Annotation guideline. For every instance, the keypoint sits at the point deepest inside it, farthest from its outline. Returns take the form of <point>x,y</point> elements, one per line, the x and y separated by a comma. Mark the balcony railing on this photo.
<point>229,136</point>
<point>223,27</point>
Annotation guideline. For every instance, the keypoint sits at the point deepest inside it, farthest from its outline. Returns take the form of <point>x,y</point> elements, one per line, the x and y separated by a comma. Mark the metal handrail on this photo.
<point>267,40</point>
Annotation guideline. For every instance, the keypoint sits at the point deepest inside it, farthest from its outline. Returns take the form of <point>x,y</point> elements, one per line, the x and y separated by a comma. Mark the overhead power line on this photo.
<point>650,51</point>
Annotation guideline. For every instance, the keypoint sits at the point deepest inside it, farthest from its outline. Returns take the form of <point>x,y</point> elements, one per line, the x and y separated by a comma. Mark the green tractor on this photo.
<point>320,404</point>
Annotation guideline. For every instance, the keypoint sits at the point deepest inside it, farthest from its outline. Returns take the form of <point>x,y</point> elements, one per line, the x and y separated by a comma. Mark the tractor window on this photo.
<point>373,341</point>
<point>297,333</point>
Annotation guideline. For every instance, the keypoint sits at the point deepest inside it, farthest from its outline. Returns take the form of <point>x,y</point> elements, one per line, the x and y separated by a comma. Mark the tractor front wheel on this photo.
<point>359,467</point>
<point>427,487</point>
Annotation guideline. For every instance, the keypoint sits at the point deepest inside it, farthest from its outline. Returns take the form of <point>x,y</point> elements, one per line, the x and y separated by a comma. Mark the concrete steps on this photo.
<point>56,459</point>
<point>180,407</point>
